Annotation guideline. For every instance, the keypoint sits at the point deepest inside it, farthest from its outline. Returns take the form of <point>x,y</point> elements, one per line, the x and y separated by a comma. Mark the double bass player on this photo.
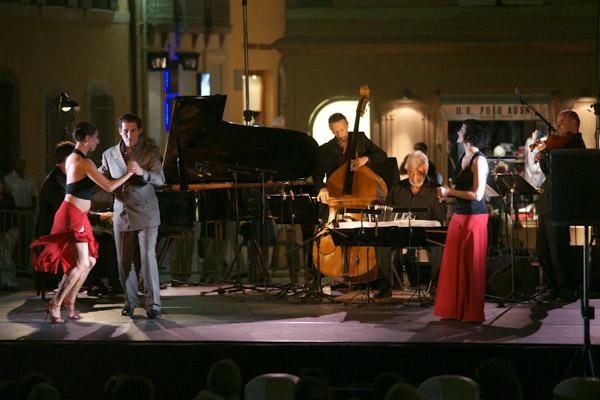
<point>333,154</point>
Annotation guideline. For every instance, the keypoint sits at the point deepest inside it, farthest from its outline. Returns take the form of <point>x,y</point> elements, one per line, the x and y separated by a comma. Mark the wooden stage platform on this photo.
<point>351,341</point>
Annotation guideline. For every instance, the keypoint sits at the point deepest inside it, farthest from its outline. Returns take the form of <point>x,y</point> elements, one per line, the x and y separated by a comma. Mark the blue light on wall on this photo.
<point>169,97</point>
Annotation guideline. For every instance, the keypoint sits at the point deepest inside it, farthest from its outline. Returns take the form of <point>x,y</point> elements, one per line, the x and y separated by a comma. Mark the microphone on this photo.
<point>518,92</point>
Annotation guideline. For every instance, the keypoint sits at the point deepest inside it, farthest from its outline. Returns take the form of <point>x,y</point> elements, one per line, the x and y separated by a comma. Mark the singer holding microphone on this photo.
<point>461,285</point>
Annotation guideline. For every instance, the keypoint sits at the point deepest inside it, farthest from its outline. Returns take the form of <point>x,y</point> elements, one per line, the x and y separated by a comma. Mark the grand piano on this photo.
<point>209,164</point>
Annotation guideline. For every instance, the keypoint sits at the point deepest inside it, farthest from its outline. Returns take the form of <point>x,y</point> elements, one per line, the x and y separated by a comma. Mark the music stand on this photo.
<point>414,234</point>
<point>290,210</point>
<point>570,171</point>
<point>423,212</point>
<point>511,185</point>
<point>254,257</point>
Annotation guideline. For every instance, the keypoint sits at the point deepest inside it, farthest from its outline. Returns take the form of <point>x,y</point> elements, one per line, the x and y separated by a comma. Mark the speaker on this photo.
<point>570,171</point>
<point>498,276</point>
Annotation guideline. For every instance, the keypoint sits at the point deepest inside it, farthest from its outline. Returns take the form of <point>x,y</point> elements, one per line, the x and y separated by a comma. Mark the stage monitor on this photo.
<point>575,192</point>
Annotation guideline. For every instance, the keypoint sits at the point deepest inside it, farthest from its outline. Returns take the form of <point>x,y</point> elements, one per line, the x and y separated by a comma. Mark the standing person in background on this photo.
<point>461,285</point>
<point>24,191</point>
<point>22,186</point>
<point>137,216</point>
<point>553,243</point>
<point>533,173</point>
<point>71,242</point>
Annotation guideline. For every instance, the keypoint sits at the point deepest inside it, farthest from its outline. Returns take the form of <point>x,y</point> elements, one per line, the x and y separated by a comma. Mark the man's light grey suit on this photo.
<point>136,215</point>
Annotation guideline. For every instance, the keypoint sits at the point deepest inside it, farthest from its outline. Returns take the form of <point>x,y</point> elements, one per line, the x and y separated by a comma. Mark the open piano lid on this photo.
<point>211,149</point>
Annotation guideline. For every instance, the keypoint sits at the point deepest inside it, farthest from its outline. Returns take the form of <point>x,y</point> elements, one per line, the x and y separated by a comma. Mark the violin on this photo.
<point>554,142</point>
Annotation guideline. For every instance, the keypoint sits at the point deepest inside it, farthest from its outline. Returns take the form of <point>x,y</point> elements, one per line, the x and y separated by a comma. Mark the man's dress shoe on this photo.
<point>153,314</point>
<point>127,311</point>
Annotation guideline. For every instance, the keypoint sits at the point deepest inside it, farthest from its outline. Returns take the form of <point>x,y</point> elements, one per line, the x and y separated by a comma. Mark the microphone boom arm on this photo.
<point>532,108</point>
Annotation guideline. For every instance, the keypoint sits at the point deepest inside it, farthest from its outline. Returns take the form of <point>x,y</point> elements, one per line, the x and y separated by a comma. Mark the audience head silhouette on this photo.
<point>383,383</point>
<point>311,388</point>
<point>225,379</point>
<point>498,380</point>
<point>125,387</point>
<point>403,391</point>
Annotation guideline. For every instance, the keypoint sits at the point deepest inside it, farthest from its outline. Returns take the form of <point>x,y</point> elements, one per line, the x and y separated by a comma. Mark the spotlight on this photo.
<point>189,61</point>
<point>65,104</point>
<point>158,61</point>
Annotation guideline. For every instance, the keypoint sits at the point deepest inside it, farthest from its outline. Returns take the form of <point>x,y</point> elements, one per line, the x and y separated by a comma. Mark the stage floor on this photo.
<point>267,318</point>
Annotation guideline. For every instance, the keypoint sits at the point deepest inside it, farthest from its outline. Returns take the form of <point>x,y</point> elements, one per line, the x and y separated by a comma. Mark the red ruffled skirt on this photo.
<point>461,285</point>
<point>70,225</point>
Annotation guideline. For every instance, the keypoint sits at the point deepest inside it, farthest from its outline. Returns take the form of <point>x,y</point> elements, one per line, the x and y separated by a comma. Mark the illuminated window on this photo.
<point>319,125</point>
<point>256,91</point>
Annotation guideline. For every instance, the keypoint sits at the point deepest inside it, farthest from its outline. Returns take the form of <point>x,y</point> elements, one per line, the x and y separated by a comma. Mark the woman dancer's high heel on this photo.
<point>74,315</point>
<point>56,320</point>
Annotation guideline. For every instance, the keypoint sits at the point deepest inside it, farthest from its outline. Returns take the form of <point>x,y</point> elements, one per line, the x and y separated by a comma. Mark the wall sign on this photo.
<point>491,112</point>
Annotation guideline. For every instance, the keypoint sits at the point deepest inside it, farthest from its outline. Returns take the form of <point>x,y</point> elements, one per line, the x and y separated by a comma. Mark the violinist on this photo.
<point>333,153</point>
<point>553,242</point>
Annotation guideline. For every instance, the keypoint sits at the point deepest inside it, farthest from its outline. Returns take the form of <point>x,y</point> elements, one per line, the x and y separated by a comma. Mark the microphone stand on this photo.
<point>532,108</point>
<point>247,112</point>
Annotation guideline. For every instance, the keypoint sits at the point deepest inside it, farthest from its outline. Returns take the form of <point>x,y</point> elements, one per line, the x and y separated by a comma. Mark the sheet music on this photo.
<point>420,223</point>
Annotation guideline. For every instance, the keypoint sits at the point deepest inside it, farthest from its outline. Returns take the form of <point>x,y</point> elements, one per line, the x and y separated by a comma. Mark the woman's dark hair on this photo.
<point>82,130</point>
<point>476,134</point>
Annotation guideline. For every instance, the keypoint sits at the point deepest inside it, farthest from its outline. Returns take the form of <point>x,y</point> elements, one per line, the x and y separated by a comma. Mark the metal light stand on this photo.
<point>587,313</point>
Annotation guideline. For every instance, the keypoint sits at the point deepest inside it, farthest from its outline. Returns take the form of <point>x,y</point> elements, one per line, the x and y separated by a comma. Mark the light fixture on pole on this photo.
<point>65,104</point>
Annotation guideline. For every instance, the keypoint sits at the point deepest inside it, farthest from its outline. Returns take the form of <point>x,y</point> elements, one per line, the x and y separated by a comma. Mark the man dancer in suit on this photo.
<point>137,216</point>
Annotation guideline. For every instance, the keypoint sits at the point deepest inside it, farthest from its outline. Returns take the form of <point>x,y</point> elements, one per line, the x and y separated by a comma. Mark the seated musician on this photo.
<point>417,191</point>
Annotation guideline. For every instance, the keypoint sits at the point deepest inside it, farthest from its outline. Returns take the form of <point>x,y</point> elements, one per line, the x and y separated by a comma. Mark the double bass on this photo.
<point>350,189</point>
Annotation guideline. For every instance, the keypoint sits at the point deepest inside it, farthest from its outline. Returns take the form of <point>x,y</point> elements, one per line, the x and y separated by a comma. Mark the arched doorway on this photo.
<point>319,126</point>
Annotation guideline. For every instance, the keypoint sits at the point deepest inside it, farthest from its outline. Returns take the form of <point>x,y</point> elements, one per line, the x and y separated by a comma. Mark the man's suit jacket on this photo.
<point>328,157</point>
<point>136,205</point>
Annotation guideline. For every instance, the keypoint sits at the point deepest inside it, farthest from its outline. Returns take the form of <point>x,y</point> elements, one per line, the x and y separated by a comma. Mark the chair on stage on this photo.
<point>271,386</point>
<point>449,387</point>
<point>577,388</point>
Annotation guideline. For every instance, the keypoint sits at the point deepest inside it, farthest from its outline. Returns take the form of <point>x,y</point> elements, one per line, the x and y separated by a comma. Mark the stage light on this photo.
<point>158,61</point>
<point>65,104</point>
<point>189,61</point>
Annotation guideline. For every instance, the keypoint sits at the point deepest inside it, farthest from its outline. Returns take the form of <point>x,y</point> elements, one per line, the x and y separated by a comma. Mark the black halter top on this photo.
<point>83,188</point>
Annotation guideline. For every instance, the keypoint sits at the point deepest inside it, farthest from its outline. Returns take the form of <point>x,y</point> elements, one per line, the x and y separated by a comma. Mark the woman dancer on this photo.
<point>461,285</point>
<point>71,241</point>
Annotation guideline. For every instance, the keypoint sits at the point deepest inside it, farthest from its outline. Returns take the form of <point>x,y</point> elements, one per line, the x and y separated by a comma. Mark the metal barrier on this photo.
<point>17,231</point>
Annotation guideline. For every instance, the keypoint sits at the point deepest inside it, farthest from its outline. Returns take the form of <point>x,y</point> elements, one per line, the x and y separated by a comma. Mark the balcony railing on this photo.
<point>192,15</point>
